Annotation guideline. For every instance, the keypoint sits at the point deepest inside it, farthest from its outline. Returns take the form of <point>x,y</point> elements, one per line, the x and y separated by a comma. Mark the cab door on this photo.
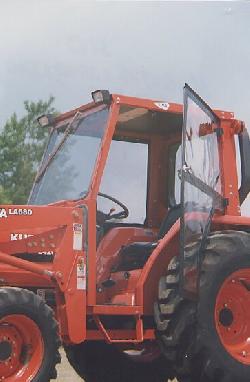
<point>201,193</point>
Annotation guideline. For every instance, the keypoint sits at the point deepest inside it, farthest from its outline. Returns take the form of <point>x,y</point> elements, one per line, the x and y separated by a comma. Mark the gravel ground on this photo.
<point>65,371</point>
<point>67,374</point>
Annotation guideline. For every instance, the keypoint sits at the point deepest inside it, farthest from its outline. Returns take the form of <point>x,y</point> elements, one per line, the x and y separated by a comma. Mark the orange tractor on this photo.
<point>131,252</point>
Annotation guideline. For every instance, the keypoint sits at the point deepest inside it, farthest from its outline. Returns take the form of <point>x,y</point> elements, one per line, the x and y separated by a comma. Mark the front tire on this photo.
<point>29,338</point>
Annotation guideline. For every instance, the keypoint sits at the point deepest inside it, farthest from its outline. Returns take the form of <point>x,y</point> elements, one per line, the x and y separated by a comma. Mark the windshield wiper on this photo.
<point>68,130</point>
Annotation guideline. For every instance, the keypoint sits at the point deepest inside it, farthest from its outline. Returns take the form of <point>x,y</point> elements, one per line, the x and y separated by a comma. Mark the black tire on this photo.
<point>17,301</point>
<point>174,316</point>
<point>99,362</point>
<point>200,355</point>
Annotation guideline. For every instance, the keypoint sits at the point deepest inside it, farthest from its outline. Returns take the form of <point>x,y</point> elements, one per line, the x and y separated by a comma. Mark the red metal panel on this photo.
<point>229,168</point>
<point>148,334</point>
<point>115,310</point>
<point>95,183</point>
<point>156,266</point>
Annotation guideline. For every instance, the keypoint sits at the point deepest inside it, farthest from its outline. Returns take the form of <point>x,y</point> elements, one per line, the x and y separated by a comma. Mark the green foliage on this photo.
<point>22,142</point>
<point>4,197</point>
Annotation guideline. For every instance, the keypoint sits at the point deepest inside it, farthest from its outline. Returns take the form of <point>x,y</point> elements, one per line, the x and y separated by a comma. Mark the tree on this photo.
<point>22,142</point>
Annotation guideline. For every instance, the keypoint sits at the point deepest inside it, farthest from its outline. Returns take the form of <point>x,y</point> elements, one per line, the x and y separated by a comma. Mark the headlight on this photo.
<point>103,96</point>
<point>45,120</point>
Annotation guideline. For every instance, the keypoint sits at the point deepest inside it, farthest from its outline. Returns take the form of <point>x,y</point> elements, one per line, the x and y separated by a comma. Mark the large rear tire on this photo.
<point>96,361</point>
<point>174,317</point>
<point>214,346</point>
<point>29,338</point>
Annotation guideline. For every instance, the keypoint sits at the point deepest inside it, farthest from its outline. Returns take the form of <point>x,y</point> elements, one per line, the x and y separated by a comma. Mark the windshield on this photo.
<point>70,158</point>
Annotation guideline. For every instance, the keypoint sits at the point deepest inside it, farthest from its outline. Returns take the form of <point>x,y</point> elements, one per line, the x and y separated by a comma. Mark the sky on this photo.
<point>68,48</point>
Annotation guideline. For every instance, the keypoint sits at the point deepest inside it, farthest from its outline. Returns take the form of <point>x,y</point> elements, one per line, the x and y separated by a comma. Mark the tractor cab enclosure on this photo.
<point>122,157</point>
<point>135,208</point>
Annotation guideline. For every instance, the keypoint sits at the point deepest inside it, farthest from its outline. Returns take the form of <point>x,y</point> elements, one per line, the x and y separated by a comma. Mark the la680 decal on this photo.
<point>5,212</point>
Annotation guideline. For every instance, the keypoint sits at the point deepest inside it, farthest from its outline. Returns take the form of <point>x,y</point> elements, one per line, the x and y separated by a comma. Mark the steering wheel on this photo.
<point>120,215</point>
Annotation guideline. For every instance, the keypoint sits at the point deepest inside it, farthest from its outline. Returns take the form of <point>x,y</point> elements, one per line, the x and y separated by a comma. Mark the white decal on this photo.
<point>48,253</point>
<point>15,211</point>
<point>20,211</point>
<point>162,105</point>
<point>81,274</point>
<point>77,237</point>
<point>19,236</point>
<point>3,213</point>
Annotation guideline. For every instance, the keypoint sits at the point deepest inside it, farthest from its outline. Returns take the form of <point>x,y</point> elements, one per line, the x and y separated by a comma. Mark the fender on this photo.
<point>156,266</point>
<point>168,247</point>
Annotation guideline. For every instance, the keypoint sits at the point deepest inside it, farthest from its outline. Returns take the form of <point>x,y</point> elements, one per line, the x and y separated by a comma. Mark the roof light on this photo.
<point>103,96</point>
<point>45,120</point>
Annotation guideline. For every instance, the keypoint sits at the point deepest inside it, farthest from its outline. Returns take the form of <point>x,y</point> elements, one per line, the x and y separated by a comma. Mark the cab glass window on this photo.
<point>125,178</point>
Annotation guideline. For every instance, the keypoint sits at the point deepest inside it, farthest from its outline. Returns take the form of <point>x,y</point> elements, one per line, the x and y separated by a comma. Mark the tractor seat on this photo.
<point>135,255</point>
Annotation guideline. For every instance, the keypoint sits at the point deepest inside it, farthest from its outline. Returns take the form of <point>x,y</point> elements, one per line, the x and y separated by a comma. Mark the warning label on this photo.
<point>81,273</point>
<point>77,237</point>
